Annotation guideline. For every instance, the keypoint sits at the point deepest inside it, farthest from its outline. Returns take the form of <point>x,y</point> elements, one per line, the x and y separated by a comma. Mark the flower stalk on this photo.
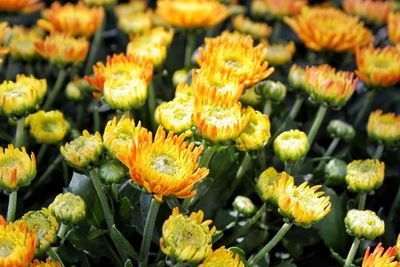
<point>317,123</point>
<point>62,74</point>
<point>19,133</point>
<point>352,252</point>
<point>190,45</point>
<point>12,205</point>
<point>94,48</point>
<point>365,106</point>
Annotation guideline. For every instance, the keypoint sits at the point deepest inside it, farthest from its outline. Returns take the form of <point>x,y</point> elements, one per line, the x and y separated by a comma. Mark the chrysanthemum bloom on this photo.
<point>341,129</point>
<point>364,224</point>
<point>116,66</point>
<point>256,133</point>
<point>77,89</point>
<point>22,42</point>
<point>281,8</point>
<point>329,29</point>
<point>68,208</point>
<point>258,30</point>
<point>130,8</point>
<point>100,2</point>
<point>23,6</point>
<point>291,145</point>
<point>325,85</point>
<point>47,127</point>
<point>17,168</point>
<point>83,150</point>
<point>192,13</point>
<point>302,204</point>
<point>265,185</point>
<point>384,127</point>
<point>219,123</point>
<point>74,19</point>
<point>365,175</point>
<point>222,257</point>
<point>236,55</point>
<point>23,96</point>
<point>258,8</point>
<point>176,115</point>
<point>4,31</point>
<point>45,225</point>
<point>17,244</point>
<point>118,136</point>
<point>297,77</point>
<point>379,258</point>
<point>378,67</point>
<point>48,263</point>
<point>154,53</point>
<point>184,91</point>
<point>165,166</point>
<point>187,239</point>
<point>393,25</point>
<point>279,54</point>
<point>61,49</point>
<point>244,205</point>
<point>157,35</point>
<point>372,11</point>
<point>135,23</point>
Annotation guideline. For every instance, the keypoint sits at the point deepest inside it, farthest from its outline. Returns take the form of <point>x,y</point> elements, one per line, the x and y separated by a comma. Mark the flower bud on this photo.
<point>244,205</point>
<point>276,91</point>
<point>297,77</point>
<point>180,76</point>
<point>335,171</point>
<point>265,184</point>
<point>112,172</point>
<point>250,97</point>
<point>341,129</point>
<point>68,208</point>
<point>280,54</point>
<point>291,145</point>
<point>365,175</point>
<point>364,224</point>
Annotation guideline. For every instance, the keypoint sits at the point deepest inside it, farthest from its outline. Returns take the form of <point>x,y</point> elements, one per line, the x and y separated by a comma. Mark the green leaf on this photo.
<point>125,210</point>
<point>123,245</point>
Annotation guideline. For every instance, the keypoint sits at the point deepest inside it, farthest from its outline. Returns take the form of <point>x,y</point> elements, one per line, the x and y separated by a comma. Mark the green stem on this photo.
<point>94,48</point>
<point>379,151</point>
<point>296,107</point>
<point>64,166</point>
<point>329,151</point>
<point>62,230</point>
<point>19,133</point>
<point>96,116</point>
<point>79,115</point>
<point>395,206</point>
<point>366,105</point>
<point>10,68</point>
<point>244,166</point>
<point>12,205</point>
<point>41,153</point>
<point>288,166</point>
<point>151,102</point>
<point>271,244</point>
<point>317,123</point>
<point>206,156</point>
<point>362,200</point>
<point>352,253</point>
<point>276,31</point>
<point>55,90</point>
<point>190,45</point>
<point>148,232</point>
<point>267,109</point>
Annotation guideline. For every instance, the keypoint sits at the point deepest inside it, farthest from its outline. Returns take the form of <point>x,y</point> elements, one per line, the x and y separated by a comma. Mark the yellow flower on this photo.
<point>373,11</point>
<point>68,208</point>
<point>378,67</point>
<point>380,259</point>
<point>154,53</point>
<point>329,29</point>
<point>84,150</point>
<point>100,2</point>
<point>258,30</point>
<point>244,205</point>
<point>280,54</point>
<point>61,49</point>
<point>22,42</point>
<point>135,23</point>
<point>118,136</point>
<point>184,91</point>
<point>165,166</point>
<point>48,263</point>
<point>23,6</point>
<point>393,25</point>
<point>219,123</point>
<point>384,127</point>
<point>17,244</point>
<point>179,76</point>
<point>291,145</point>
<point>45,225</point>
<point>256,133</point>
<point>302,204</point>
<point>236,54</point>
<point>325,85</point>
<point>265,185</point>
<point>47,127</point>
<point>74,19</point>
<point>17,168</point>
<point>77,89</point>
<point>364,224</point>
<point>281,8</point>
<point>23,96</point>
<point>258,8</point>
<point>4,33</point>
<point>297,77</point>
<point>130,8</point>
<point>192,13</point>
<point>222,257</point>
<point>187,239</point>
<point>365,175</point>
<point>156,36</point>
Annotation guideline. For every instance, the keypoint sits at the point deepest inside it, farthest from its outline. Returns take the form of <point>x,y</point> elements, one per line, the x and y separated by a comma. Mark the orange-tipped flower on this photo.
<point>17,244</point>
<point>384,127</point>
<point>329,29</point>
<point>47,263</point>
<point>326,85</point>
<point>22,42</point>
<point>61,49</point>
<point>378,67</point>
<point>4,30</point>
<point>281,8</point>
<point>23,6</point>
<point>373,11</point>
<point>235,54</point>
<point>165,166</point>
<point>192,13</point>
<point>76,20</point>
<point>279,54</point>
<point>394,27</point>
<point>380,257</point>
<point>258,30</point>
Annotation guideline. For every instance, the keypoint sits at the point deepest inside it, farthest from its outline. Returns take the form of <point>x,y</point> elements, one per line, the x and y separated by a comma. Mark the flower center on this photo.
<point>6,248</point>
<point>164,164</point>
<point>7,162</point>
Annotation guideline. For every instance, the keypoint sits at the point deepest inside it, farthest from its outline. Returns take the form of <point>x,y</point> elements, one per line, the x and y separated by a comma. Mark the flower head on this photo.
<point>22,6</point>
<point>297,78</point>
<point>365,175</point>
<point>393,25</point>
<point>74,19</point>
<point>192,13</point>
<point>329,29</point>
<point>372,11</point>
<point>130,8</point>
<point>222,257</point>
<point>22,42</point>
<point>281,8</point>
<point>291,145</point>
<point>17,244</point>
<point>302,204</point>
<point>135,23</point>
<point>157,36</point>
<point>83,150</point>
<point>45,225</point>
<point>265,185</point>
<point>341,129</point>
<point>187,239</point>
<point>327,86</point>
<point>364,224</point>
<point>4,33</point>
<point>100,2</point>
<point>47,263</point>
<point>380,259</point>
<point>244,205</point>
<point>258,30</point>
<point>68,208</point>
<point>47,127</point>
<point>378,67</point>
<point>17,168</point>
<point>61,49</point>
<point>152,52</point>
<point>384,127</point>
<point>280,54</point>
<point>165,165</point>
